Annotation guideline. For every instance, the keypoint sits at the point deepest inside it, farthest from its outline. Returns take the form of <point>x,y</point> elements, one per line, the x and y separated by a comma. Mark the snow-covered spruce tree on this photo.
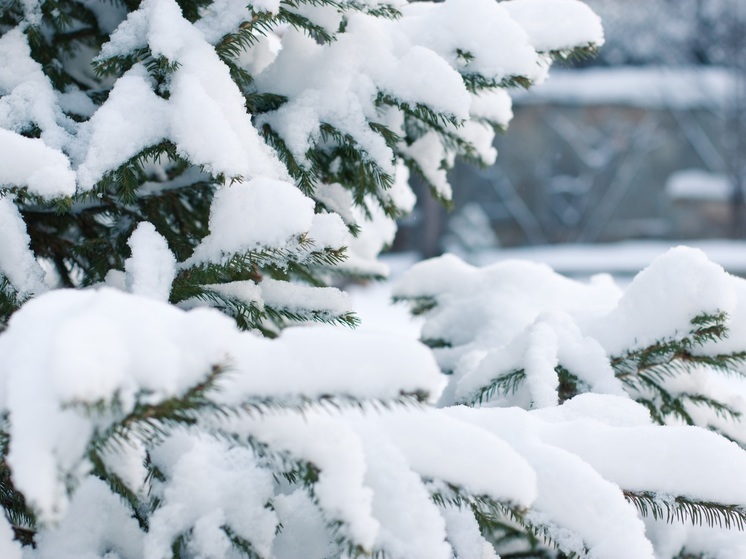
<point>167,161</point>
<point>598,366</point>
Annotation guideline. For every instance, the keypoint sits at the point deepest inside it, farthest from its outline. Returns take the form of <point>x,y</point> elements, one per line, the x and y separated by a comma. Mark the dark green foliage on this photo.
<point>119,487</point>
<point>504,524</point>
<point>575,55</point>
<point>357,168</point>
<point>418,111</point>
<point>12,502</point>
<point>201,282</point>
<point>569,384</point>
<point>179,547</point>
<point>118,65</point>
<point>509,383</point>
<point>503,384</point>
<point>678,351</point>
<point>476,82</point>
<point>338,158</point>
<point>152,422</point>
<point>683,509</point>
<point>646,371</point>
<point>86,241</point>
<point>436,343</point>
<point>243,546</point>
<point>9,302</point>
<point>304,178</point>
<point>420,305</point>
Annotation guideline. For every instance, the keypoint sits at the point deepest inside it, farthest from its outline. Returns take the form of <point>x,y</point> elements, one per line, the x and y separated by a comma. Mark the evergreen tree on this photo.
<point>164,161</point>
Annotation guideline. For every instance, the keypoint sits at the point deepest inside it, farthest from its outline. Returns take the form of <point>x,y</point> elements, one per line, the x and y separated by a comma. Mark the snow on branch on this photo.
<point>197,175</point>
<point>598,367</point>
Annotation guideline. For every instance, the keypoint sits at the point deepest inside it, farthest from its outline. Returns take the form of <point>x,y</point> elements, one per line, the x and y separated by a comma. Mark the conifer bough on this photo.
<point>182,181</point>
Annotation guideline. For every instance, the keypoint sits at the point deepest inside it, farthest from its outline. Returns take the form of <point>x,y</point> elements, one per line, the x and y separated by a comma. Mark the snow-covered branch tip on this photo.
<point>683,509</point>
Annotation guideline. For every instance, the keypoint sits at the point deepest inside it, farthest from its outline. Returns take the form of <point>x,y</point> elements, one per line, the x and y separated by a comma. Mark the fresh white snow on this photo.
<point>323,434</point>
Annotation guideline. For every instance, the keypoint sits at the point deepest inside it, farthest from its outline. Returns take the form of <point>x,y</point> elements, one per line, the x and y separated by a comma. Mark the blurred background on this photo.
<point>643,145</point>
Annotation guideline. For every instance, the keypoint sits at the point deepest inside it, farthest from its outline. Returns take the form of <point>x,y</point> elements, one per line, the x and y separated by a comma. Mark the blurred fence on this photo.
<point>588,158</point>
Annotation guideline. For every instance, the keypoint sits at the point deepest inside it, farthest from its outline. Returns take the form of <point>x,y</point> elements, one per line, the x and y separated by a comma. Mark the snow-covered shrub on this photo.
<point>621,388</point>
<point>163,161</point>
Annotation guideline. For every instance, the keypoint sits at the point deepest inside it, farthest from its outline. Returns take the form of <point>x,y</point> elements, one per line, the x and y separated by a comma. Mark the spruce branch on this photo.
<point>647,371</point>
<point>251,265</point>
<point>302,262</point>
<point>116,484</point>
<point>360,172</point>
<point>387,11</point>
<point>333,403</point>
<point>476,83</point>
<point>248,315</point>
<point>449,137</point>
<point>302,23</point>
<point>391,138</point>
<point>496,519</point>
<point>347,546</point>
<point>125,181</point>
<point>12,502</point>
<point>418,111</point>
<point>355,169</point>
<point>282,316</point>
<point>118,65</point>
<point>684,509</point>
<point>232,45</point>
<point>677,351</point>
<point>241,545</point>
<point>569,384</point>
<point>419,305</point>
<point>11,12</point>
<point>258,103</point>
<point>721,410</point>
<point>577,54</point>
<point>89,238</point>
<point>180,214</point>
<point>414,166</point>
<point>152,422</point>
<point>504,384</point>
<point>10,301</point>
<point>283,465</point>
<point>304,178</point>
<point>242,77</point>
<point>290,469</point>
<point>436,343</point>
